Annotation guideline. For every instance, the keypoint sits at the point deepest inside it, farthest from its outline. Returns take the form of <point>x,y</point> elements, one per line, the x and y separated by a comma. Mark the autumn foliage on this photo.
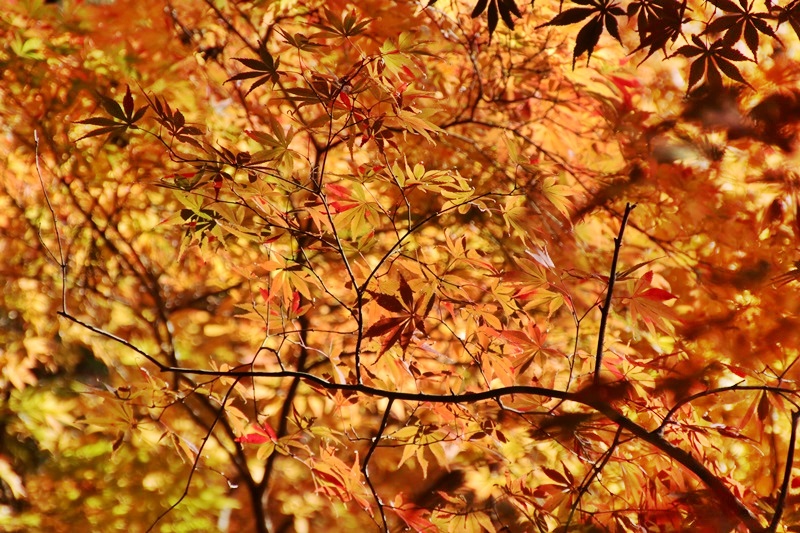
<point>392,265</point>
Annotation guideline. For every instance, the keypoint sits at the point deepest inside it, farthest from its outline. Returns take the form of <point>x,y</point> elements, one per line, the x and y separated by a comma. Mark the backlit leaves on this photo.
<point>259,435</point>
<point>503,8</point>
<point>413,516</point>
<point>712,61</point>
<point>646,304</point>
<point>399,329</point>
<point>741,22</point>
<point>124,117</point>
<point>346,251</point>
<point>347,26</point>
<point>558,195</point>
<point>603,13</point>
<point>261,70</point>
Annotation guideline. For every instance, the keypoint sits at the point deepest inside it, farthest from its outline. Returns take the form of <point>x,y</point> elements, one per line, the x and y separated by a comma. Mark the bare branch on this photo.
<point>60,259</point>
<point>606,307</point>
<point>197,458</point>
<point>590,477</point>
<point>365,466</point>
<point>787,475</point>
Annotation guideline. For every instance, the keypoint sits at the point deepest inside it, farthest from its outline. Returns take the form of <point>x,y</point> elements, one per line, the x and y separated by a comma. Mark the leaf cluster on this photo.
<point>123,117</point>
<point>660,23</point>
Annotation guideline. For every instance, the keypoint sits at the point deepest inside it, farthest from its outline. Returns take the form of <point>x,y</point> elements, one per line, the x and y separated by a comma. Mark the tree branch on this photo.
<point>365,466</point>
<point>197,458</point>
<point>680,403</point>
<point>606,307</point>
<point>787,475</point>
<point>590,477</point>
<point>724,495</point>
<point>62,264</point>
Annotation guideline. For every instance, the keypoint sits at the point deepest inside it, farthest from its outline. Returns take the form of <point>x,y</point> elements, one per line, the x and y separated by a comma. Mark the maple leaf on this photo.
<point>650,12</point>
<point>604,12</point>
<point>175,122</point>
<point>400,329</point>
<point>790,14</point>
<point>348,26</point>
<point>414,516</point>
<point>260,435</point>
<point>503,8</point>
<point>558,195</point>
<point>646,304</point>
<point>125,114</point>
<point>658,22</point>
<point>742,21</point>
<point>264,69</point>
<point>712,61</point>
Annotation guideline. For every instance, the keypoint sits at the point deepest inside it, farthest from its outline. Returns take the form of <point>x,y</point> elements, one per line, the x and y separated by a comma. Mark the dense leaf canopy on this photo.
<point>308,265</point>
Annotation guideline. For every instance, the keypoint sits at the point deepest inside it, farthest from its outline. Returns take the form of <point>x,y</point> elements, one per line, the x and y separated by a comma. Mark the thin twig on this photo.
<point>365,466</point>
<point>590,477</point>
<point>738,387</point>
<point>787,475</point>
<point>162,367</point>
<point>196,458</point>
<point>286,408</point>
<point>60,259</point>
<point>605,309</point>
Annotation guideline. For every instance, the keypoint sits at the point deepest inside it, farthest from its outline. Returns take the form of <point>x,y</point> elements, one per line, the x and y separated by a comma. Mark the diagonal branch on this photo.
<point>605,309</point>
<point>62,263</point>
<point>590,477</point>
<point>197,458</point>
<point>724,495</point>
<point>787,475</point>
<point>365,467</point>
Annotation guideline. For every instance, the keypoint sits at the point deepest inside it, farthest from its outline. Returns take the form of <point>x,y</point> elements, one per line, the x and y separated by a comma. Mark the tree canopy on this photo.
<point>308,265</point>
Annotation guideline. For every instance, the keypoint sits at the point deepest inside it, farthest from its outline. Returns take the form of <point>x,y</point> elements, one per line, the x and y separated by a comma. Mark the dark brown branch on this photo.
<point>113,337</point>
<point>724,495</point>
<point>606,307</point>
<point>787,475</point>
<point>365,466</point>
